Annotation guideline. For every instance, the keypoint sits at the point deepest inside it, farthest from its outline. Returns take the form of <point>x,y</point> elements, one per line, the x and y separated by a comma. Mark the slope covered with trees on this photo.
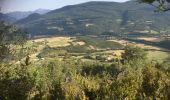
<point>98,17</point>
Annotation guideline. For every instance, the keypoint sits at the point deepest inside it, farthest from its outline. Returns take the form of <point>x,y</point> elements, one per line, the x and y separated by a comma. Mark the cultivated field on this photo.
<point>56,41</point>
<point>154,53</point>
<point>144,46</point>
<point>150,39</point>
<point>87,47</point>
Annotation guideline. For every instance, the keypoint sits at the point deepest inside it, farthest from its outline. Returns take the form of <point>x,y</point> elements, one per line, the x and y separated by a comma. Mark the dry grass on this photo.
<point>81,43</point>
<point>111,52</point>
<point>52,42</point>
<point>56,41</point>
<point>123,42</point>
<point>144,46</point>
<point>150,39</point>
<point>154,53</point>
<point>115,52</point>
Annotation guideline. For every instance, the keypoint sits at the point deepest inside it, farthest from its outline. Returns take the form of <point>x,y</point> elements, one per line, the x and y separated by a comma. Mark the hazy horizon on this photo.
<point>31,5</point>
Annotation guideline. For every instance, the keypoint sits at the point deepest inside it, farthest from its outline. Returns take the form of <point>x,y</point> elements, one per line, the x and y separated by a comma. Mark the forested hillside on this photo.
<point>4,17</point>
<point>98,17</point>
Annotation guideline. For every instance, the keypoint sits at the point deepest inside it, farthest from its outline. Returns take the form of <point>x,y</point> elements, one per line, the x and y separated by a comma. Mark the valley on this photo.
<point>92,48</point>
<point>96,50</point>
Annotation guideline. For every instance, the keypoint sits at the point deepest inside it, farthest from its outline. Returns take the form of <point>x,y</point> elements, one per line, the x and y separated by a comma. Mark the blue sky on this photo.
<point>29,5</point>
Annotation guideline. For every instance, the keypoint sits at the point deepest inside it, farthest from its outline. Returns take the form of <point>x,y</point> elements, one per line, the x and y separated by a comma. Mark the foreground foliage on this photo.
<point>52,79</point>
<point>75,79</point>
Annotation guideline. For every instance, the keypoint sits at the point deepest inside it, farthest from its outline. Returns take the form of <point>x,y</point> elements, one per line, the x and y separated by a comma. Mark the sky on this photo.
<point>30,5</point>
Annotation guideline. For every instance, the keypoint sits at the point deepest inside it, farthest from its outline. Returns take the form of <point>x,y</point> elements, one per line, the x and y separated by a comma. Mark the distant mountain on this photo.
<point>31,17</point>
<point>98,18</point>
<point>23,14</point>
<point>6,18</point>
<point>41,11</point>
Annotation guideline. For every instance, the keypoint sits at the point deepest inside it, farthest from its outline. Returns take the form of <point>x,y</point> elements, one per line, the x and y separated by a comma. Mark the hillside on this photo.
<point>6,18</point>
<point>99,17</point>
<point>29,18</point>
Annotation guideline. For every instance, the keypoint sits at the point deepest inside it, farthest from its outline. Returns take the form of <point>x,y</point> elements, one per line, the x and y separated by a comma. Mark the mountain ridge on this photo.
<point>6,18</point>
<point>23,14</point>
<point>98,17</point>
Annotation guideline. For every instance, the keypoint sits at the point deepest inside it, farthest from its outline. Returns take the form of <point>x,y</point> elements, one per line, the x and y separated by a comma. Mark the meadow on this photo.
<point>91,48</point>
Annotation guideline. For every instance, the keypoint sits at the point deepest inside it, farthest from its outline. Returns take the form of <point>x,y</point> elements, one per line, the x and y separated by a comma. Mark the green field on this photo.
<point>86,47</point>
<point>158,55</point>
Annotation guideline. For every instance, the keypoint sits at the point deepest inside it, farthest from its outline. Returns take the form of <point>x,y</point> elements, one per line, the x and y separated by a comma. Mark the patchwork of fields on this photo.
<point>89,48</point>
